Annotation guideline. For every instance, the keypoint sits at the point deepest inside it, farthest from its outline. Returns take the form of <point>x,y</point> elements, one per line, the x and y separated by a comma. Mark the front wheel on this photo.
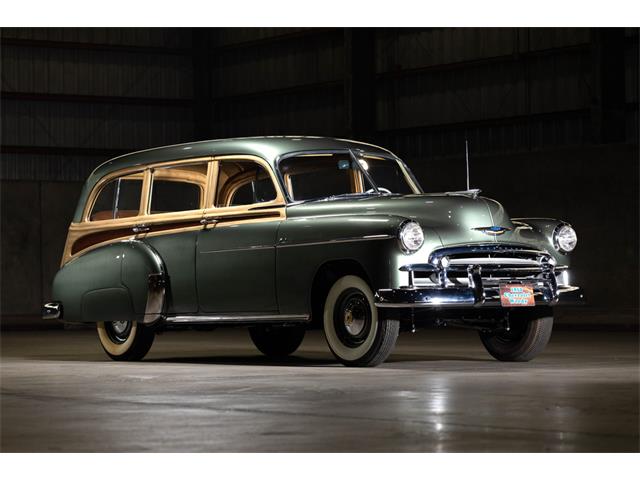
<point>527,337</point>
<point>125,340</point>
<point>356,335</point>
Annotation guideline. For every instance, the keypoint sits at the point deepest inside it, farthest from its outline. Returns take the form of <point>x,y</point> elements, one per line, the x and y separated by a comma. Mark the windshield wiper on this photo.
<point>339,196</point>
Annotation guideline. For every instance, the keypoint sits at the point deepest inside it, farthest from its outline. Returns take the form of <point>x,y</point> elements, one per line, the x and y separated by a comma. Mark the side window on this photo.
<point>120,198</point>
<point>177,189</point>
<point>243,182</point>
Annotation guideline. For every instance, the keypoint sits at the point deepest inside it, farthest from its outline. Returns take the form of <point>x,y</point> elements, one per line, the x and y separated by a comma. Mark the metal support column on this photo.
<point>360,85</point>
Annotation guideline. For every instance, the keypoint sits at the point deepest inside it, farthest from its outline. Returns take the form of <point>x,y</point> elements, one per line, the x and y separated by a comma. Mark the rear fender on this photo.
<point>89,287</point>
<point>123,280</point>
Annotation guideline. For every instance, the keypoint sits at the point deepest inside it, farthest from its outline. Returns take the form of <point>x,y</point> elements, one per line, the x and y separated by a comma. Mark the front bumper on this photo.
<point>469,297</point>
<point>471,276</point>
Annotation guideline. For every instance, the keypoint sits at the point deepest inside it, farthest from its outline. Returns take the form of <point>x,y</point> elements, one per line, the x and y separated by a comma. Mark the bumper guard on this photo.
<point>514,265</point>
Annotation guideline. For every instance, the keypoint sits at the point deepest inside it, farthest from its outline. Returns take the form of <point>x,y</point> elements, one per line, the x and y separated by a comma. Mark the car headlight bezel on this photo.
<point>565,238</point>
<point>410,236</point>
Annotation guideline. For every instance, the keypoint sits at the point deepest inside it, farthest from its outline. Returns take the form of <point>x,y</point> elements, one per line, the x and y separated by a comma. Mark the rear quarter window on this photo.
<point>119,198</point>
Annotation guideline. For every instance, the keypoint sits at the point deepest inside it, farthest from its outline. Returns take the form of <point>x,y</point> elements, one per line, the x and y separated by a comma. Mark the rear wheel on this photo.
<point>125,340</point>
<point>277,342</point>
<point>526,338</point>
<point>356,335</point>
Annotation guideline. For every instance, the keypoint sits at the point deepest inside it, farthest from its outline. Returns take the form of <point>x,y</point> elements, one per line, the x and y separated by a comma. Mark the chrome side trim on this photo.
<point>340,240</point>
<point>242,249</point>
<point>233,319</point>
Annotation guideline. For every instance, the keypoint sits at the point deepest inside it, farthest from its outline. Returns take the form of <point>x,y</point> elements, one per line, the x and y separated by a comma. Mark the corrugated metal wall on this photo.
<point>73,97</point>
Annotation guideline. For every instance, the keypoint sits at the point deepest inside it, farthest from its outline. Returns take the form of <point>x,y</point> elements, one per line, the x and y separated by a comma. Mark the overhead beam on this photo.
<point>308,87</point>
<point>490,122</point>
<point>63,44</point>
<point>275,39</point>
<point>67,151</point>
<point>481,62</point>
<point>73,98</point>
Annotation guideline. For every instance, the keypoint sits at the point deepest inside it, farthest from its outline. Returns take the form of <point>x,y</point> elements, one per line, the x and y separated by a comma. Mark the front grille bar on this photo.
<point>515,263</point>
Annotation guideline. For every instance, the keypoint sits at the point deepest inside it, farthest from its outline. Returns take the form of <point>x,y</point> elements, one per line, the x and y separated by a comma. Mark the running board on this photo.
<point>248,319</point>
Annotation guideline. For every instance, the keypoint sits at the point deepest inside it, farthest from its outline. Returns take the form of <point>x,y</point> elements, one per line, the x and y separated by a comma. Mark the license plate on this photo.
<point>516,295</point>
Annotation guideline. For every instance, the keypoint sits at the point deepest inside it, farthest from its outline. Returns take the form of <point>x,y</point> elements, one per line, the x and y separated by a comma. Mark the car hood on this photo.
<point>452,216</point>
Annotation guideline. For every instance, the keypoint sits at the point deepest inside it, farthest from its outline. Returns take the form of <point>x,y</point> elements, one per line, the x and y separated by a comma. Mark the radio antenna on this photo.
<point>466,148</point>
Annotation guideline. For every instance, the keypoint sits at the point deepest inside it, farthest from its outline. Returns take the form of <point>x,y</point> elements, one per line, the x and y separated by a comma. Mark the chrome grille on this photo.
<point>451,266</point>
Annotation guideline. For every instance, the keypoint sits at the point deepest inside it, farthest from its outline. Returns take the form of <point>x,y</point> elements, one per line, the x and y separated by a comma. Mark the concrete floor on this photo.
<point>211,391</point>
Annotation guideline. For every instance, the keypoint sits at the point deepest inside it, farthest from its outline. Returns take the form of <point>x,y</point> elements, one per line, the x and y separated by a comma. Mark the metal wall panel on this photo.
<point>309,113</point>
<point>410,48</point>
<point>79,125</point>
<point>517,135</point>
<point>560,82</point>
<point>274,66</point>
<point>546,38</point>
<point>86,72</point>
<point>58,168</point>
<point>443,97</point>
<point>491,91</point>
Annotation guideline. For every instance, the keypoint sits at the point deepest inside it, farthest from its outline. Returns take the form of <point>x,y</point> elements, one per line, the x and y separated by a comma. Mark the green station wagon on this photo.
<point>284,234</point>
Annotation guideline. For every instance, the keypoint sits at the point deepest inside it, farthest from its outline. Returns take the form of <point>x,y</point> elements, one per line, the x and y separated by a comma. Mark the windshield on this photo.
<point>330,175</point>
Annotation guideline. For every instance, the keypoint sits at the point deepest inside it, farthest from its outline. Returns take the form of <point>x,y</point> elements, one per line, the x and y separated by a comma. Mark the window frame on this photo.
<point>282,181</point>
<point>278,201</point>
<point>203,188</point>
<point>146,171</point>
<point>102,185</point>
<point>209,190</point>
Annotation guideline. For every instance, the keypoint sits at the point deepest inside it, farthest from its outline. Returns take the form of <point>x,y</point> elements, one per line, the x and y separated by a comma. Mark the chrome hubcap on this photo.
<point>354,317</point>
<point>118,331</point>
<point>120,326</point>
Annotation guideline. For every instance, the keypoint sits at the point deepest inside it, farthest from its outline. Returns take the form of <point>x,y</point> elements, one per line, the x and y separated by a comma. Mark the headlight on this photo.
<point>411,236</point>
<point>565,238</point>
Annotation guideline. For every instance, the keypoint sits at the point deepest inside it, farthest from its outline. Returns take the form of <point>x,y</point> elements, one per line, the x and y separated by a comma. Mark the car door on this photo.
<point>175,205</point>
<point>235,253</point>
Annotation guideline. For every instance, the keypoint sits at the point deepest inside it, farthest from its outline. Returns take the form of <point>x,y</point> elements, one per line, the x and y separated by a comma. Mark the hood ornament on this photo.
<point>494,230</point>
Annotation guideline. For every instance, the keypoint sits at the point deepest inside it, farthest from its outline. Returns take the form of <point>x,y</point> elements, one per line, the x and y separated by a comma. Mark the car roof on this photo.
<point>268,148</point>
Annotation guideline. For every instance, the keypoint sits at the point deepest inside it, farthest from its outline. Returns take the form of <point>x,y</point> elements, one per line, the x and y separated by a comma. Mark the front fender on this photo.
<point>334,228</point>
<point>307,243</point>
<point>540,232</point>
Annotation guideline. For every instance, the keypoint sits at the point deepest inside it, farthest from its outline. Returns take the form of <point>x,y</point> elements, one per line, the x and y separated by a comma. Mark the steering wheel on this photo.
<point>380,189</point>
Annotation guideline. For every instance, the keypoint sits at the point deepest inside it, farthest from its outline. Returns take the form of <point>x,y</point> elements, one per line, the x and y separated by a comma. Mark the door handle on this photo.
<point>208,221</point>
<point>141,228</point>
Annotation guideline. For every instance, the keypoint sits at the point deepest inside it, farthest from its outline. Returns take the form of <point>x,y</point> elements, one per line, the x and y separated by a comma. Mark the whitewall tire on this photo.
<point>125,340</point>
<point>356,334</point>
